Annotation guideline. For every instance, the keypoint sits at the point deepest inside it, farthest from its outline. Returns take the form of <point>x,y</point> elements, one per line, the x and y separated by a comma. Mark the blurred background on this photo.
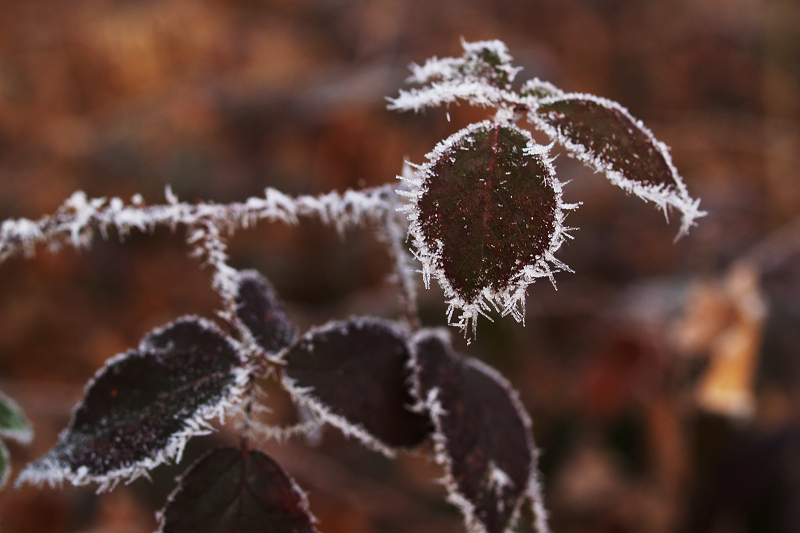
<point>662,377</point>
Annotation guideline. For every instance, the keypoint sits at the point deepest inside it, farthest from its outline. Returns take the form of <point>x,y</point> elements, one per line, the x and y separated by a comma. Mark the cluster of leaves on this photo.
<point>485,216</point>
<point>369,377</point>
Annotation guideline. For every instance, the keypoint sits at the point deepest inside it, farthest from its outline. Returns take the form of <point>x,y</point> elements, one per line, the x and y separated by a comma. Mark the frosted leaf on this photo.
<point>353,374</point>
<point>13,422</point>
<point>482,437</point>
<point>602,134</point>
<point>487,218</point>
<point>142,407</point>
<point>236,491</point>
<point>481,76</point>
<point>261,311</point>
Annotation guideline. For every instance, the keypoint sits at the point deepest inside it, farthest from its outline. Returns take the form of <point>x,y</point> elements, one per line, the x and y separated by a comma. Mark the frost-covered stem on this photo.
<point>247,412</point>
<point>80,219</point>
<point>396,233</point>
<point>211,247</point>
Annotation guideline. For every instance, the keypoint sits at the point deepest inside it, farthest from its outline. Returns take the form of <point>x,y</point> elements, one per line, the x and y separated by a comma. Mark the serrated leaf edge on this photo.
<point>50,471</point>
<point>305,395</point>
<point>661,195</point>
<point>508,302</point>
<point>431,405</point>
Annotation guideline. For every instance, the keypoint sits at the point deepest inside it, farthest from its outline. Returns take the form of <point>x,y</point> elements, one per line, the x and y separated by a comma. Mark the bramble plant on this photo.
<point>484,216</point>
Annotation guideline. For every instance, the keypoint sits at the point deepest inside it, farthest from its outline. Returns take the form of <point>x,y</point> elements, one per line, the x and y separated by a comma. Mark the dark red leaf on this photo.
<point>354,373</point>
<point>260,309</point>
<point>489,207</point>
<point>482,433</point>
<point>235,491</point>
<point>140,409</point>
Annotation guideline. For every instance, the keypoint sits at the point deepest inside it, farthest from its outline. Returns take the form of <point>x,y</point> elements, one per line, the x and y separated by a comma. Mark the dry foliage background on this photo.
<point>663,379</point>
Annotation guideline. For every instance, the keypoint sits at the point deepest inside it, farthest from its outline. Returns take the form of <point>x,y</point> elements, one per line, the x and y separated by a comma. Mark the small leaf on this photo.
<point>5,465</point>
<point>235,491</point>
<point>482,76</point>
<point>602,134</point>
<point>354,375</point>
<point>483,434</point>
<point>142,407</point>
<point>260,309</point>
<point>13,422</point>
<point>488,217</point>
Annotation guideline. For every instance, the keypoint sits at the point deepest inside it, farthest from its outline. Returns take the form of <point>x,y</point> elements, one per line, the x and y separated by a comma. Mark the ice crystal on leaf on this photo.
<point>261,311</point>
<point>487,218</point>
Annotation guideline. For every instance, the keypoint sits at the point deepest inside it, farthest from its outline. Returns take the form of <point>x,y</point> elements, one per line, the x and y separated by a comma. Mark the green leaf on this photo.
<point>13,422</point>
<point>5,465</point>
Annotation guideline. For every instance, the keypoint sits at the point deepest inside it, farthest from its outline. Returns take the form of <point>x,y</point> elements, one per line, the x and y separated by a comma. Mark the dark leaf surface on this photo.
<point>235,491</point>
<point>609,137</point>
<point>357,371</point>
<point>142,406</point>
<point>483,434</point>
<point>490,205</point>
<point>258,307</point>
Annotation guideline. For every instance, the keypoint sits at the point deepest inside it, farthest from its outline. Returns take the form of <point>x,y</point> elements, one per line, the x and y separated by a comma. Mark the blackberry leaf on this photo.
<point>13,422</point>
<point>261,311</point>
<point>487,218</point>
<point>13,425</point>
<point>602,134</point>
<point>142,407</point>
<point>483,435</point>
<point>236,491</point>
<point>354,375</point>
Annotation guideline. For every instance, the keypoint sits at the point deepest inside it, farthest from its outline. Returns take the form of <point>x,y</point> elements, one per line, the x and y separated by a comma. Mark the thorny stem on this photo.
<point>80,219</point>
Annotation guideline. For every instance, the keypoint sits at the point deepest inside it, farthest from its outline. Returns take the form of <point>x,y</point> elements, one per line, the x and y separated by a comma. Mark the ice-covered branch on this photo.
<point>80,218</point>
